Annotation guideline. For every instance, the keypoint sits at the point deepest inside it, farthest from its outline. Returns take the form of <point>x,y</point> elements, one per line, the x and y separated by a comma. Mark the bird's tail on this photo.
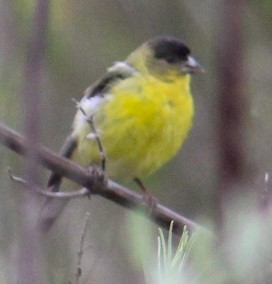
<point>52,206</point>
<point>51,209</point>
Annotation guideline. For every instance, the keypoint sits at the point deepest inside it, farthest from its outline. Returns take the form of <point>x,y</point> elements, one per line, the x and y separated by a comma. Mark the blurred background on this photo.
<point>86,37</point>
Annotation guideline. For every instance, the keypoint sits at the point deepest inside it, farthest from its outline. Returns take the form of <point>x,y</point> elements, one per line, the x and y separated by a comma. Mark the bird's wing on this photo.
<point>119,71</point>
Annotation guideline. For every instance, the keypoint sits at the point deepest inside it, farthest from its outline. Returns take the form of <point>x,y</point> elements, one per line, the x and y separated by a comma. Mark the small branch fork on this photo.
<point>60,194</point>
<point>108,189</point>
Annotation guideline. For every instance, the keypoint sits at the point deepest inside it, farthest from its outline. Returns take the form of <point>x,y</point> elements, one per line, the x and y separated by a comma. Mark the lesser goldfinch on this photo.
<point>142,110</point>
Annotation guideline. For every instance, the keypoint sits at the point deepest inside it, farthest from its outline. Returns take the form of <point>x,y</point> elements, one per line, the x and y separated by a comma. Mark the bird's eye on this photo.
<point>171,59</point>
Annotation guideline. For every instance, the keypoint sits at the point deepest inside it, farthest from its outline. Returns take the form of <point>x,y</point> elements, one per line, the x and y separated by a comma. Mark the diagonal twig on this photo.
<point>90,121</point>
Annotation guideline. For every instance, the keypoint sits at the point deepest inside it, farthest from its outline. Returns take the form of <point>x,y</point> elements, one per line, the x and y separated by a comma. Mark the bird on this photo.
<point>142,109</point>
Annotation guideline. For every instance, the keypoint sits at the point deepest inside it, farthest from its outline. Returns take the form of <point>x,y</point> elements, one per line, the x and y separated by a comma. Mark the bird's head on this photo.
<point>165,57</point>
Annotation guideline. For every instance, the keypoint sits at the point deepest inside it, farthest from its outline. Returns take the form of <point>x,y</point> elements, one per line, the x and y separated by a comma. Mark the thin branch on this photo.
<point>107,189</point>
<point>90,121</point>
<point>17,179</point>
<point>60,194</point>
<point>80,249</point>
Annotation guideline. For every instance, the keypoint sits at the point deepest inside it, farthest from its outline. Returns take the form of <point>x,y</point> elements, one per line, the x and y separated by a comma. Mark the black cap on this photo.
<point>171,49</point>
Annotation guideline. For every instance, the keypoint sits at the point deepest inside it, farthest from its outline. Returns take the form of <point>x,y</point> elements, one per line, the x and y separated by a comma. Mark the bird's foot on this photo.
<point>151,201</point>
<point>99,178</point>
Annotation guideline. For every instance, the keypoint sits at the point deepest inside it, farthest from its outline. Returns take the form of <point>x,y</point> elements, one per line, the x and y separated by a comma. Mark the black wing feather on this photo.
<point>120,71</point>
<point>66,151</point>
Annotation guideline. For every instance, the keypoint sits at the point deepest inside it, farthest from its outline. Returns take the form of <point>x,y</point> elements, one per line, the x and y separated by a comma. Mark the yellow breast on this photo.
<point>142,124</point>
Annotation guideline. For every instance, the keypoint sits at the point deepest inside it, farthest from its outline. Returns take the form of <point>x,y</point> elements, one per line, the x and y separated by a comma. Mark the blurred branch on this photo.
<point>107,189</point>
<point>232,104</point>
<point>31,89</point>
<point>29,256</point>
<point>232,101</point>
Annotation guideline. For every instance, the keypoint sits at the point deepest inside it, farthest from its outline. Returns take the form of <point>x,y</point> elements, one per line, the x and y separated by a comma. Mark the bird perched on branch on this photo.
<point>142,110</point>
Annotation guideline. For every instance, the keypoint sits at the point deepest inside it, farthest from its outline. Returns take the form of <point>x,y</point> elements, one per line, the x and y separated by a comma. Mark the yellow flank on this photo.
<point>142,123</point>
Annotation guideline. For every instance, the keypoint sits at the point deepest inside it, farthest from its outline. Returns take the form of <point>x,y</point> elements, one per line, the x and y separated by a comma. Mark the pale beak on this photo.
<point>192,66</point>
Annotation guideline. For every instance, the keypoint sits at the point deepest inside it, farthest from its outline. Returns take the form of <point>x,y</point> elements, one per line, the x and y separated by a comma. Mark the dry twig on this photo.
<point>60,194</point>
<point>90,121</point>
<point>80,248</point>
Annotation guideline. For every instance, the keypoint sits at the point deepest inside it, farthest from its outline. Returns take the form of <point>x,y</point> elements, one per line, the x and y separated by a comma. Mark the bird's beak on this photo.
<point>192,66</point>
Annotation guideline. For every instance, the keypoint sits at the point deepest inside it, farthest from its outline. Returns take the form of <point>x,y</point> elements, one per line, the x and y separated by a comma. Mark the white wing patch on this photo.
<point>91,104</point>
<point>90,107</point>
<point>122,67</point>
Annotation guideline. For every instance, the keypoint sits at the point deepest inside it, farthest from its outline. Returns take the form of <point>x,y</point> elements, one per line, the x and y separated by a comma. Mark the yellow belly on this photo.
<point>142,125</point>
